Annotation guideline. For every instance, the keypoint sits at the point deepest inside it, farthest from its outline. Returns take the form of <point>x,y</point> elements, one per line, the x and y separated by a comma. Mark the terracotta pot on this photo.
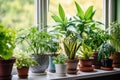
<point>86,65</point>
<point>96,64</point>
<point>116,60</point>
<point>86,69</point>
<point>23,72</point>
<point>72,66</point>
<point>6,68</point>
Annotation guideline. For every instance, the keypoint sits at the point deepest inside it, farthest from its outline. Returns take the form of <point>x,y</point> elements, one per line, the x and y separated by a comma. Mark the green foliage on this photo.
<point>96,37</point>
<point>115,34</point>
<point>37,41</point>
<point>7,42</point>
<point>60,59</point>
<point>54,44</point>
<point>71,47</point>
<point>85,51</point>
<point>23,59</point>
<point>14,13</point>
<point>105,50</point>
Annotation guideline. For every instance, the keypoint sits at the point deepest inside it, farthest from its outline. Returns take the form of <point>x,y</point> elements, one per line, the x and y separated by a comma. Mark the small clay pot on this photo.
<point>72,66</point>
<point>23,72</point>
<point>116,60</point>
<point>86,65</point>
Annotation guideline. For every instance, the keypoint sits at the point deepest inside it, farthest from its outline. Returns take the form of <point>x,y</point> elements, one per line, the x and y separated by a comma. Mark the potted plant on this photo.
<point>114,32</point>
<point>71,47</point>
<point>53,51</point>
<point>38,45</point>
<point>60,65</point>
<point>23,62</point>
<point>104,53</point>
<point>97,37</point>
<point>66,28</point>
<point>7,45</point>
<point>84,56</point>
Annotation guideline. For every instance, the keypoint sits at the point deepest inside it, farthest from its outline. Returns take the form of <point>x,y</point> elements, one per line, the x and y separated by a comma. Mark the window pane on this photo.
<point>70,9</point>
<point>17,13</point>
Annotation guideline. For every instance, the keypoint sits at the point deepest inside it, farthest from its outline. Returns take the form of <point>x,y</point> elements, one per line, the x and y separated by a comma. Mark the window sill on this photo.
<point>80,75</point>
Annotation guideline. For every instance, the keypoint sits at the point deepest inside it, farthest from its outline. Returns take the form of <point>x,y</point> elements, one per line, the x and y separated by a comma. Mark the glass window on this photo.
<point>17,13</point>
<point>70,9</point>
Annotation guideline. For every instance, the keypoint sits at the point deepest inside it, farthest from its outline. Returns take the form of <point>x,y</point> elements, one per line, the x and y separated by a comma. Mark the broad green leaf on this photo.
<point>92,14</point>
<point>61,13</point>
<point>56,18</point>
<point>79,10</point>
<point>89,13</point>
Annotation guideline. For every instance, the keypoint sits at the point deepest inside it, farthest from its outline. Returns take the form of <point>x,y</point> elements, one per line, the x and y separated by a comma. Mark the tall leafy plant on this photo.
<point>84,20</point>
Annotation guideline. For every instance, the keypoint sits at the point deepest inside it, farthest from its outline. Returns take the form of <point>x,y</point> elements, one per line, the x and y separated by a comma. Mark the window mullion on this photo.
<point>41,9</point>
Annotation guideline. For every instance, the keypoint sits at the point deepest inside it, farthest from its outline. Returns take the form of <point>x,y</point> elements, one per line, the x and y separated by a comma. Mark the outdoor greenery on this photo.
<point>23,59</point>
<point>17,13</point>
<point>7,42</point>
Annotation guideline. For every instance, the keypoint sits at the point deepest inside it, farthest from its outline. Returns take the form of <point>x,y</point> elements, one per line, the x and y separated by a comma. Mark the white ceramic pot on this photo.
<point>60,69</point>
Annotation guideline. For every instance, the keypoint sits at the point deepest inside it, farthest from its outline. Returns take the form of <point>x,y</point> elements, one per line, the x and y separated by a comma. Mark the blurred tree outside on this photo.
<point>17,13</point>
<point>20,13</point>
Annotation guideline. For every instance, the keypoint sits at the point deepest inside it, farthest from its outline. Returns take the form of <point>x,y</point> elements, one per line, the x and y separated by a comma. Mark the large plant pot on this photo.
<point>116,60</point>
<point>72,66</point>
<point>60,69</point>
<point>107,64</point>
<point>51,67</point>
<point>6,68</point>
<point>23,72</point>
<point>86,65</point>
<point>42,63</point>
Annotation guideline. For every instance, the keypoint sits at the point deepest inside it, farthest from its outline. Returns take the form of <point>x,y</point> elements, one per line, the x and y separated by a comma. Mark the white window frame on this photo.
<point>41,10</point>
<point>40,15</point>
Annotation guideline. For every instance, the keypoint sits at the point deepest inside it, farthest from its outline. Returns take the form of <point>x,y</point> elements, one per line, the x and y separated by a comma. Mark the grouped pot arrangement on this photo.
<point>79,38</point>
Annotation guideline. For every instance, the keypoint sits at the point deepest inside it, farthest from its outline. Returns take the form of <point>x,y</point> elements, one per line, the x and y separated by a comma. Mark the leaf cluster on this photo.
<point>105,50</point>
<point>60,59</point>
<point>23,60</point>
<point>7,42</point>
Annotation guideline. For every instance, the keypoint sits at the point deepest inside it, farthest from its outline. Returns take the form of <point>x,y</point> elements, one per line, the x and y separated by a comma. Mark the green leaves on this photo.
<point>88,15</point>
<point>7,42</point>
<point>86,51</point>
<point>79,10</point>
<point>60,59</point>
<point>71,47</point>
<point>61,13</point>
